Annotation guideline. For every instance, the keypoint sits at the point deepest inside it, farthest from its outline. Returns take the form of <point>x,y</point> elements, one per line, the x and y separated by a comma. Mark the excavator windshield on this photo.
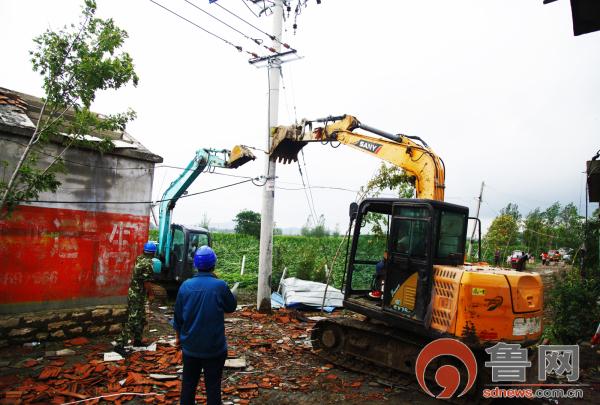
<point>451,239</point>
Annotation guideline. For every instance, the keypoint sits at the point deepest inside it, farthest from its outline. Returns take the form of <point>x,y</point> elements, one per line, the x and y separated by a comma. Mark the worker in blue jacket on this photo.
<point>199,322</point>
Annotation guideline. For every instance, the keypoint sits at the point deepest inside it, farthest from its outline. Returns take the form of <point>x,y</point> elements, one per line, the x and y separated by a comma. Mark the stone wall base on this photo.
<point>61,324</point>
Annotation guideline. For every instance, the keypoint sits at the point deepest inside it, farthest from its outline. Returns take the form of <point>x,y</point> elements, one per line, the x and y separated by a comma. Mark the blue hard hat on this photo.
<point>205,258</point>
<point>149,247</point>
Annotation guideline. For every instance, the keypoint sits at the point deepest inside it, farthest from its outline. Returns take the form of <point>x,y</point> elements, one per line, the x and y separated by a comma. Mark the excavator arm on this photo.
<point>204,159</point>
<point>411,154</point>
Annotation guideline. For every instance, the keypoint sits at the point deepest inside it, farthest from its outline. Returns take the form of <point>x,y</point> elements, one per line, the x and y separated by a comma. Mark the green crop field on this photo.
<point>304,257</point>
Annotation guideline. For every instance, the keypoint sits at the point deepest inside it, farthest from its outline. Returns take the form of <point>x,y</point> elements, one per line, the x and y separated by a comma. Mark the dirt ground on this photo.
<point>280,367</point>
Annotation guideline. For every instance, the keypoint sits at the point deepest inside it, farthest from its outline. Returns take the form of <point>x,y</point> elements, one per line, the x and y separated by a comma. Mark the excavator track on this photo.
<point>366,348</point>
<point>376,350</point>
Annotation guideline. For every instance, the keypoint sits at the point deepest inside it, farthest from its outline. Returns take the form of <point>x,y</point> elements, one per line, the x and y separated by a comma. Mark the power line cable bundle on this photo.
<point>239,48</point>
<point>138,202</point>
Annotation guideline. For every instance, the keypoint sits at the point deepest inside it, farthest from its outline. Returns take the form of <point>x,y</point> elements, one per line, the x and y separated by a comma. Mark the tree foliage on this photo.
<point>502,234</point>
<point>317,230</point>
<point>247,222</point>
<point>513,211</point>
<point>577,288</point>
<point>387,177</point>
<point>570,293</point>
<point>205,222</point>
<point>553,228</point>
<point>75,63</point>
<point>541,230</point>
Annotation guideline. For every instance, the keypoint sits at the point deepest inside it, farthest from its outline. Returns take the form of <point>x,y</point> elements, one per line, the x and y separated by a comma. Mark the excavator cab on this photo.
<point>183,242</point>
<point>413,235</point>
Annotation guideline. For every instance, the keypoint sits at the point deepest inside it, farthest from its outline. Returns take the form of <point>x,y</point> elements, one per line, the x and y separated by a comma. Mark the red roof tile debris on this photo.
<point>271,344</point>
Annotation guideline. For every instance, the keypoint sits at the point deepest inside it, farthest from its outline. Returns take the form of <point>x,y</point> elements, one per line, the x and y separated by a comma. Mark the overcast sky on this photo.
<point>501,90</point>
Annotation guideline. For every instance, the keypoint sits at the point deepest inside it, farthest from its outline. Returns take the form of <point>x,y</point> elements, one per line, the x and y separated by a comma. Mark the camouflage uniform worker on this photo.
<point>136,298</point>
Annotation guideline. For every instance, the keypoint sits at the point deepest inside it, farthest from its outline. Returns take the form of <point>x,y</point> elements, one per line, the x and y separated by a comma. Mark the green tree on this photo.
<point>247,222</point>
<point>502,234</point>
<point>569,230</point>
<point>205,222</point>
<point>535,235</point>
<point>336,230</point>
<point>512,210</point>
<point>75,63</point>
<point>318,230</point>
<point>577,288</point>
<point>553,228</point>
<point>552,215</point>
<point>387,177</point>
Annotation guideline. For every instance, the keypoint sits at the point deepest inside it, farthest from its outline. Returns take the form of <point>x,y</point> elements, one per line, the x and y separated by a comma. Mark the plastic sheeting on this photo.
<point>296,293</point>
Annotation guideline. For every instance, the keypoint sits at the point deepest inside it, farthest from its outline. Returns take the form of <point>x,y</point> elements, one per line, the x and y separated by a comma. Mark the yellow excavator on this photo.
<point>429,291</point>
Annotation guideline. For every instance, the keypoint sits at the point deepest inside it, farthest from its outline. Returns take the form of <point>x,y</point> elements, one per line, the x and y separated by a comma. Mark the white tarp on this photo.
<point>301,292</point>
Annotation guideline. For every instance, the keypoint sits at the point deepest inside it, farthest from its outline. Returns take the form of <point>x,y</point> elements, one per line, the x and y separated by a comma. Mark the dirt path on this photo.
<point>280,367</point>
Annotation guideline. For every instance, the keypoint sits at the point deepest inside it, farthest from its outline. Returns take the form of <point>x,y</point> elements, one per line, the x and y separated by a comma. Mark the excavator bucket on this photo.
<point>239,155</point>
<point>286,142</point>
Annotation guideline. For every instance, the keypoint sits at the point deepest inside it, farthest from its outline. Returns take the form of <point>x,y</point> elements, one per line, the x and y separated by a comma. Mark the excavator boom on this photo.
<point>203,159</point>
<point>416,158</point>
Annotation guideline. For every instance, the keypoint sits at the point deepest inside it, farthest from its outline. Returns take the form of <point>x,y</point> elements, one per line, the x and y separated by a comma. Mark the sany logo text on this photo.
<point>369,146</point>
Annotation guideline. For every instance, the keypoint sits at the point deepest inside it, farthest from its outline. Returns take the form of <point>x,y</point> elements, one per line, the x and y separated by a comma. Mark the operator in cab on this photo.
<point>377,287</point>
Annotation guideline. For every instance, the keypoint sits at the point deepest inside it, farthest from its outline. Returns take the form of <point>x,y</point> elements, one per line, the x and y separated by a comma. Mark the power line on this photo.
<point>271,37</point>
<point>237,47</point>
<point>136,202</point>
<point>255,40</point>
<point>248,7</point>
<point>324,188</point>
<point>308,181</point>
<point>77,163</point>
<point>126,168</point>
<point>285,98</point>
<point>311,208</point>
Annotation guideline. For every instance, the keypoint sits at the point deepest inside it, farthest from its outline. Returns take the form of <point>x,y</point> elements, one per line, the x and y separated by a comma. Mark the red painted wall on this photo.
<point>49,254</point>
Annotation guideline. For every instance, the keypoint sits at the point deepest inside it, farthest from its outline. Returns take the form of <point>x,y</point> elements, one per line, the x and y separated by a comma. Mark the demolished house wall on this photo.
<point>74,250</point>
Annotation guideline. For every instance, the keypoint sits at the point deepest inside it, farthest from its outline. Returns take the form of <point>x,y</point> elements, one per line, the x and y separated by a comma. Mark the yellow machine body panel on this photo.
<point>444,298</point>
<point>486,304</point>
<point>406,295</point>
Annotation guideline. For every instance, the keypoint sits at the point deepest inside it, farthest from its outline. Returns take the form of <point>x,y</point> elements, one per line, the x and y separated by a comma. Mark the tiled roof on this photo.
<point>19,112</point>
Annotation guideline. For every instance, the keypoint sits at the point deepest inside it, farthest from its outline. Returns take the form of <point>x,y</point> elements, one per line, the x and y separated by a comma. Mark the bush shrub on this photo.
<point>574,308</point>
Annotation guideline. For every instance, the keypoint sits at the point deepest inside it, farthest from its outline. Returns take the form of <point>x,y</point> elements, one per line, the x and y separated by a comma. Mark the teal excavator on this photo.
<point>177,243</point>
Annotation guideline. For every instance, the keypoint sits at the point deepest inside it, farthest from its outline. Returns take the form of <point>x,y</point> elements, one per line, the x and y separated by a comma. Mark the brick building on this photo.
<point>73,251</point>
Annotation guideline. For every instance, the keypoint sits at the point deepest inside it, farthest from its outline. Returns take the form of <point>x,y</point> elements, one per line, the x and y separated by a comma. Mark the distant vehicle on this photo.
<point>514,258</point>
<point>554,256</point>
<point>566,254</point>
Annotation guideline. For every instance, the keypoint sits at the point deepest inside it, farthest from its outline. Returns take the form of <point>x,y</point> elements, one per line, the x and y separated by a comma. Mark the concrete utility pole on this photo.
<point>263,296</point>
<point>476,216</point>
